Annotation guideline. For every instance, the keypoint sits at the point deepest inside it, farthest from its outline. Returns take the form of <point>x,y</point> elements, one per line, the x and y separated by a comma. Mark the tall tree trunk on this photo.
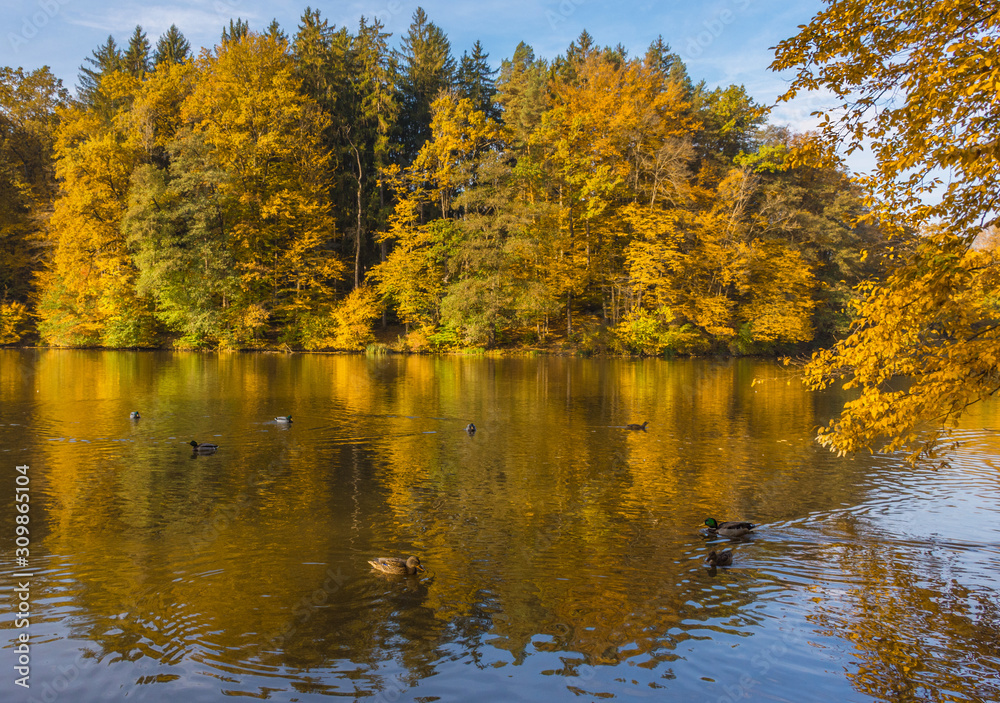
<point>383,247</point>
<point>360,232</point>
<point>569,314</point>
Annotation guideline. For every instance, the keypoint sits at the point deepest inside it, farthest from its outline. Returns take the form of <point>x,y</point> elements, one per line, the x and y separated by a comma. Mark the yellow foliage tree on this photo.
<point>613,128</point>
<point>87,292</point>
<point>916,82</point>
<point>266,136</point>
<point>13,321</point>
<point>413,275</point>
<point>459,136</point>
<point>351,321</point>
<point>713,271</point>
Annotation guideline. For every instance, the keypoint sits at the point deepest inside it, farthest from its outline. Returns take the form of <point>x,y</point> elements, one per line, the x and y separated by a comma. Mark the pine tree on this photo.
<point>669,64</point>
<point>237,30</point>
<point>135,60</point>
<point>427,68</point>
<point>522,92</point>
<point>375,109</point>
<point>576,53</point>
<point>274,31</point>
<point>105,59</point>
<point>172,47</point>
<point>475,81</point>
<point>312,49</point>
<point>320,54</point>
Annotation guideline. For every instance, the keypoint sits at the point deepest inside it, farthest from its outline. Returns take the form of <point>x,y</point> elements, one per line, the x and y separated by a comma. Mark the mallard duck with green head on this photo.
<point>283,419</point>
<point>203,447</point>
<point>134,415</point>
<point>397,565</point>
<point>732,529</point>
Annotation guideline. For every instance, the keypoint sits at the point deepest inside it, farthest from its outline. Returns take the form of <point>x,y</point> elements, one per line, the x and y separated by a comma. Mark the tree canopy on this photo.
<point>288,189</point>
<point>915,83</point>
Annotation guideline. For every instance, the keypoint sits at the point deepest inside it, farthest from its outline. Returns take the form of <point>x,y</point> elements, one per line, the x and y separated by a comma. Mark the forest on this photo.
<point>320,189</point>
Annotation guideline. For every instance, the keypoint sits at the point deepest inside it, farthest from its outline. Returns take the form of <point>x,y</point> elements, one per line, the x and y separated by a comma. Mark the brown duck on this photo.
<point>633,426</point>
<point>397,565</point>
<point>723,559</point>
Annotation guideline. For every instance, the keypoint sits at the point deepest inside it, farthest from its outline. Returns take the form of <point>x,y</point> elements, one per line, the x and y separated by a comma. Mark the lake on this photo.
<point>563,553</point>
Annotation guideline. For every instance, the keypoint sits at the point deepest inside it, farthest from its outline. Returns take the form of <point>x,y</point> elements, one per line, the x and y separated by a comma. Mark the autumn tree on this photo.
<point>605,117</point>
<point>492,278</point>
<point>522,92</point>
<point>87,290</point>
<point>214,202</point>
<point>821,213</point>
<point>412,278</point>
<point>915,84</point>
<point>247,108</point>
<point>28,105</point>
<point>178,227</point>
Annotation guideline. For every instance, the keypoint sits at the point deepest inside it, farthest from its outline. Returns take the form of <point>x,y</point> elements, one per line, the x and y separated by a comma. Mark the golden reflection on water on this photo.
<point>562,550</point>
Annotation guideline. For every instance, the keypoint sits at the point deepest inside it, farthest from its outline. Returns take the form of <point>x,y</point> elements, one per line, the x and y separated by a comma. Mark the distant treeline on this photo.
<point>302,191</point>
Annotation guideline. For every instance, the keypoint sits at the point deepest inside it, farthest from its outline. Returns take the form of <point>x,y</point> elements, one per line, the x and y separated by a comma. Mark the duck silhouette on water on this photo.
<point>203,447</point>
<point>633,426</point>
<point>732,529</point>
<point>720,559</point>
<point>397,565</point>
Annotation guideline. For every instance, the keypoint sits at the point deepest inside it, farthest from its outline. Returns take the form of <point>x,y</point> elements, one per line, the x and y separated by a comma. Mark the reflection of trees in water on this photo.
<point>552,532</point>
<point>917,633</point>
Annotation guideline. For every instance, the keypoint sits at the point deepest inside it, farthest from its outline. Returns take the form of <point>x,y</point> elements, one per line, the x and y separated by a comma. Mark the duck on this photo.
<point>731,529</point>
<point>283,418</point>
<point>470,428</point>
<point>397,565</point>
<point>203,447</point>
<point>134,415</point>
<point>723,559</point>
<point>633,426</point>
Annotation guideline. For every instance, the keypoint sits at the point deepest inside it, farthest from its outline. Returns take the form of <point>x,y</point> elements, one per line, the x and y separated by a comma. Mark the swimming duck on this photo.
<point>134,414</point>
<point>723,559</point>
<point>283,418</point>
<point>730,529</point>
<point>470,428</point>
<point>397,565</point>
<point>203,447</point>
<point>634,426</point>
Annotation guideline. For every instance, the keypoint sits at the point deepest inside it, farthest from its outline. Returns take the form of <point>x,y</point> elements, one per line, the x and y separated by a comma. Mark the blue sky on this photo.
<point>722,41</point>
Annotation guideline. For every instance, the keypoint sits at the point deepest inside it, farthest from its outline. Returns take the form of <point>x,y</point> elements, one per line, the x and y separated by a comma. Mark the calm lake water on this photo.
<point>563,553</point>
